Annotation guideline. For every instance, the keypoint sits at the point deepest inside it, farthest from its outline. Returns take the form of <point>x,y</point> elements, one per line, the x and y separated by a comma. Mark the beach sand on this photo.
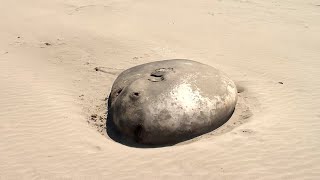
<point>59,58</point>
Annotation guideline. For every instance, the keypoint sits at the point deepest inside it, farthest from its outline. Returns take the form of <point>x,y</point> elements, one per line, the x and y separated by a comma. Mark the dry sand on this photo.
<point>50,88</point>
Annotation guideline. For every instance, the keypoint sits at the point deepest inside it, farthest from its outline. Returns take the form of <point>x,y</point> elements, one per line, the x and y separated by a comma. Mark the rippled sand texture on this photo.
<point>59,58</point>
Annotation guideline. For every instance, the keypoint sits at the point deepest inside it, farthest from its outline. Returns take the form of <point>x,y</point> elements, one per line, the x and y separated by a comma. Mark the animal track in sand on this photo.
<point>84,7</point>
<point>108,70</point>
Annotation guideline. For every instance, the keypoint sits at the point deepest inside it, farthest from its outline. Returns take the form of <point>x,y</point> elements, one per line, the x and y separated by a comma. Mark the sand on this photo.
<point>59,58</point>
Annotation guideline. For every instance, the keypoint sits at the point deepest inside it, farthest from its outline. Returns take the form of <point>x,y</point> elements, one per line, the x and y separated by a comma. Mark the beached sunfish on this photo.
<point>166,102</point>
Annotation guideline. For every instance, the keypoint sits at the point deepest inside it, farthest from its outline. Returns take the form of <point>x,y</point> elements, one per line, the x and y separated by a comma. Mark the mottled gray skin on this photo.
<point>170,101</point>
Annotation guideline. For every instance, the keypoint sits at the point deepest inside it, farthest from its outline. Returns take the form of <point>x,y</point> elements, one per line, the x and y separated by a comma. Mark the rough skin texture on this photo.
<point>170,101</point>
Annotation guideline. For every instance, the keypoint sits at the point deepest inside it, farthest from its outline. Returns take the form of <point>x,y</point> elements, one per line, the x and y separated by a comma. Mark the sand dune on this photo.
<point>50,86</point>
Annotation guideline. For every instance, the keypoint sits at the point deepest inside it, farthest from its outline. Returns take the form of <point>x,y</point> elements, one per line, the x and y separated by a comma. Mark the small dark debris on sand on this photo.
<point>98,122</point>
<point>280,82</point>
<point>94,117</point>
